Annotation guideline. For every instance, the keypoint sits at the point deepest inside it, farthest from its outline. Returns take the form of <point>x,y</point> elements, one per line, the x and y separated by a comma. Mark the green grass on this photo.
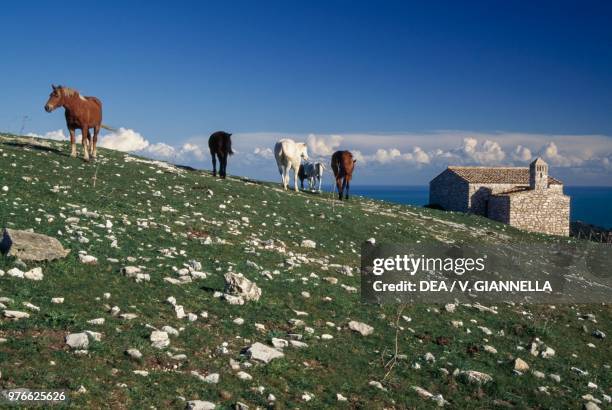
<point>128,193</point>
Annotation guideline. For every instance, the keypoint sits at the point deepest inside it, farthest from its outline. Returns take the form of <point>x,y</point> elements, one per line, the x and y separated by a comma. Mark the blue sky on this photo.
<point>174,72</point>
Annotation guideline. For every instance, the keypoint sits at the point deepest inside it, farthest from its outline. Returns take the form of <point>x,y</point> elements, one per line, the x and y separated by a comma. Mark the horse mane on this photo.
<point>68,92</point>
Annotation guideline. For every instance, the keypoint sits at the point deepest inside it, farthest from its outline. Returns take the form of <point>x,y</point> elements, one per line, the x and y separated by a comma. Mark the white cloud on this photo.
<point>489,152</point>
<point>126,140</point>
<point>264,152</point>
<point>323,145</point>
<point>521,153</point>
<point>57,135</point>
<point>161,150</point>
<point>393,158</point>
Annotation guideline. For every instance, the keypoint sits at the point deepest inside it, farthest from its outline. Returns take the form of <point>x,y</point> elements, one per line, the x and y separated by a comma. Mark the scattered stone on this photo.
<point>599,334</point>
<point>159,339</point>
<point>141,372</point>
<point>200,405</point>
<point>244,376</point>
<point>361,328</point>
<point>474,377</point>
<point>548,353</point>
<point>307,243</point>
<point>34,274</point>
<point>490,349</point>
<point>88,259</point>
<point>30,246</point>
<point>520,365</point>
<point>134,353</point>
<point>57,301</point>
<point>237,285</point>
<point>450,308</point>
<point>15,314</point>
<point>263,353</point>
<point>77,340</point>
<point>376,384</point>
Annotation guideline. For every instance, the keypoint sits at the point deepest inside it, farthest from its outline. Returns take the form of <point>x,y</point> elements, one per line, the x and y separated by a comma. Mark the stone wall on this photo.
<point>478,195</point>
<point>499,208</point>
<point>546,211</point>
<point>449,191</point>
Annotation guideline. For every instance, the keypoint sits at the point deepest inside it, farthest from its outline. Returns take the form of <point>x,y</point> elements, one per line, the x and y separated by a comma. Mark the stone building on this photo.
<point>527,198</point>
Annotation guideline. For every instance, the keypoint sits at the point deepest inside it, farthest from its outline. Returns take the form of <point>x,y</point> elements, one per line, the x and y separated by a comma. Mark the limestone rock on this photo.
<point>159,339</point>
<point>261,352</point>
<point>520,365</point>
<point>474,377</point>
<point>30,246</point>
<point>15,314</point>
<point>237,285</point>
<point>200,405</point>
<point>34,274</point>
<point>77,340</point>
<point>361,328</point>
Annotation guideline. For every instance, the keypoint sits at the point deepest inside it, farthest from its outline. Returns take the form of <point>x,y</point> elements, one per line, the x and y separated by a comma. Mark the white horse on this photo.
<point>289,154</point>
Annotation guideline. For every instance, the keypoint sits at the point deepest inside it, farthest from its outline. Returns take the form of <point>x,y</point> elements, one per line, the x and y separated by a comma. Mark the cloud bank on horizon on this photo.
<point>390,159</point>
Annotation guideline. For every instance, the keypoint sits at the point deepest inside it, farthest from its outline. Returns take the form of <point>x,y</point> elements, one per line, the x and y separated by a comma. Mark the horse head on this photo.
<point>55,98</point>
<point>303,150</point>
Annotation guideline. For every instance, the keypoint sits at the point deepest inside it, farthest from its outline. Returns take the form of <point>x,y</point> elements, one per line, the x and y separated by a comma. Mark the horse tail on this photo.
<point>106,127</point>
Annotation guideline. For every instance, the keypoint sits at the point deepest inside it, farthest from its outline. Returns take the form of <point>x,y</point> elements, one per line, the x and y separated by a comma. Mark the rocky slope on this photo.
<point>184,290</point>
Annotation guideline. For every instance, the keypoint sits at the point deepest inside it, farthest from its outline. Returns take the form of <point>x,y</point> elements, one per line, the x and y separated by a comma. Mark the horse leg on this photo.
<point>344,186</point>
<point>320,182</point>
<point>295,178</point>
<point>214,161</point>
<point>339,186</point>
<point>94,151</point>
<point>348,186</point>
<point>85,142</point>
<point>73,152</point>
<point>223,164</point>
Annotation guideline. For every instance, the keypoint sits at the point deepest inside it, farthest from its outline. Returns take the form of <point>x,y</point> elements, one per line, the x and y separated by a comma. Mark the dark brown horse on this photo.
<point>220,145</point>
<point>82,113</point>
<point>343,164</point>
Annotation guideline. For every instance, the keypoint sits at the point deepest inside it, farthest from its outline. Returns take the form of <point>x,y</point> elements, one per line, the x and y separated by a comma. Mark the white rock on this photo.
<point>134,353</point>
<point>98,321</point>
<point>307,243</point>
<point>244,376</point>
<point>77,340</point>
<point>15,272</point>
<point>237,285</point>
<point>57,301</point>
<point>34,274</point>
<point>238,321</point>
<point>340,397</point>
<point>170,330</point>
<point>490,349</point>
<point>520,365</point>
<point>15,314</point>
<point>141,372</point>
<point>361,328</point>
<point>200,405</point>
<point>259,351</point>
<point>279,343</point>
<point>376,384</point>
<point>475,377</point>
<point>88,259</point>
<point>159,339</point>
<point>212,378</point>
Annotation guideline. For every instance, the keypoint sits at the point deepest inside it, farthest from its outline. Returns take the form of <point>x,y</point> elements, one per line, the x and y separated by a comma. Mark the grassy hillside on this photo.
<point>160,218</point>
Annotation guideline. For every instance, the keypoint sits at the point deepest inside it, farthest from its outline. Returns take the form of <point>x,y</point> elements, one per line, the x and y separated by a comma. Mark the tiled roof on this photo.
<point>497,175</point>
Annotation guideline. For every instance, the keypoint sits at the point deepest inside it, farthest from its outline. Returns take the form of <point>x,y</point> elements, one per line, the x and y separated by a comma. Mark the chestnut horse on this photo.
<point>220,145</point>
<point>82,113</point>
<point>343,164</point>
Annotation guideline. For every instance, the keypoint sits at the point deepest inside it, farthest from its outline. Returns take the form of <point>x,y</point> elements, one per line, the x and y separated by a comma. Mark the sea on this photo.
<point>592,205</point>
